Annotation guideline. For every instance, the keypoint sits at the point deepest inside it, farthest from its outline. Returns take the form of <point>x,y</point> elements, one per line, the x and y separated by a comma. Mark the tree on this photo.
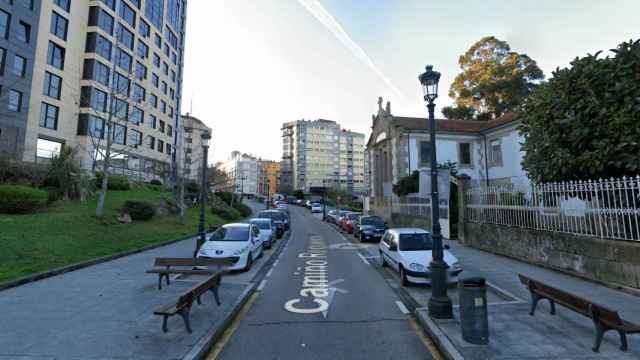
<point>585,122</point>
<point>299,194</point>
<point>493,80</point>
<point>215,174</point>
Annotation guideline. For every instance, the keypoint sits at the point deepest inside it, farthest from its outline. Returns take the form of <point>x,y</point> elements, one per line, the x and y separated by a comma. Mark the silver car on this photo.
<point>267,230</point>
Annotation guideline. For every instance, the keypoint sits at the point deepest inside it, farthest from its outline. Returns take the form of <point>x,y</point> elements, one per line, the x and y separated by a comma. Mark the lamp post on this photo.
<point>205,136</point>
<point>439,303</point>
<point>267,202</point>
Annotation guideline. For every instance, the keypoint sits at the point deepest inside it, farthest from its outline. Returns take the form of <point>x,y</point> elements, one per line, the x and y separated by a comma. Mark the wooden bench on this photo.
<point>167,266</point>
<point>604,319</point>
<point>182,307</point>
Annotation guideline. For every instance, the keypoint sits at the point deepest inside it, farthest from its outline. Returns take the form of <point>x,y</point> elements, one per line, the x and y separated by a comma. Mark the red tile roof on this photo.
<point>469,126</point>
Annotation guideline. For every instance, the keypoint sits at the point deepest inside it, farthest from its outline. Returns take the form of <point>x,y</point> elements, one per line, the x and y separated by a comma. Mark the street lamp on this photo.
<point>268,195</point>
<point>439,303</point>
<point>205,136</point>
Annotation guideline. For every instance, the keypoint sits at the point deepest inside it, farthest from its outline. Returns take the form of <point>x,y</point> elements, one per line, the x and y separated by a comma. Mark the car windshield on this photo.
<point>416,242</point>
<point>274,215</point>
<point>353,216</point>
<point>373,221</point>
<point>233,233</point>
<point>262,225</point>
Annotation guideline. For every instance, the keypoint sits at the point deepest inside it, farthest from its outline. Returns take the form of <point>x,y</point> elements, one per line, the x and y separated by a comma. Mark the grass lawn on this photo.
<point>70,233</point>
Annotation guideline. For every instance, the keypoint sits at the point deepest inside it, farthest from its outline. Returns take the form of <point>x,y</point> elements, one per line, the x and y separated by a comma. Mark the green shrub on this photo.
<point>21,199</point>
<point>192,187</point>
<point>155,182</point>
<point>225,196</point>
<point>116,182</point>
<point>226,213</point>
<point>139,210</point>
<point>243,209</point>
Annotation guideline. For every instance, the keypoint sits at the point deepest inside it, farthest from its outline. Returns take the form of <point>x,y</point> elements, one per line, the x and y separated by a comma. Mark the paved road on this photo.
<point>323,302</point>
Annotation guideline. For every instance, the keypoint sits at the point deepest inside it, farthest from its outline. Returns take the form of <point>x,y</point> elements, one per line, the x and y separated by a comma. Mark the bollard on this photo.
<point>474,321</point>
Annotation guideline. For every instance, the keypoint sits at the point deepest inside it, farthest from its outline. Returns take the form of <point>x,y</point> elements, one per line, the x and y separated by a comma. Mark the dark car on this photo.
<point>370,227</point>
<point>279,219</point>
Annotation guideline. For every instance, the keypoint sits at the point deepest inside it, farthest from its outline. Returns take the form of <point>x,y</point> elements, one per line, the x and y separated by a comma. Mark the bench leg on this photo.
<point>623,340</point>
<point>534,302</point>
<point>199,301</point>
<point>553,307</point>
<point>159,281</point>
<point>599,334</point>
<point>167,277</point>
<point>185,316</point>
<point>214,290</point>
<point>164,323</point>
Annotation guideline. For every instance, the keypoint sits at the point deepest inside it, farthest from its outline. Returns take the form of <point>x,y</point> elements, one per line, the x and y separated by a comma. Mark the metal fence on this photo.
<point>603,208</point>
<point>412,206</point>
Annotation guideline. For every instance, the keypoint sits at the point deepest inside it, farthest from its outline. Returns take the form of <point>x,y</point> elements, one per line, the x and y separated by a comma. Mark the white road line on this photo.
<point>403,309</point>
<point>262,284</point>
<point>276,262</point>
<point>364,260</point>
<point>269,272</point>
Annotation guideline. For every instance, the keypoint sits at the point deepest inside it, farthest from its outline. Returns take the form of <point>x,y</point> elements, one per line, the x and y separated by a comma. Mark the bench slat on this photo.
<point>181,271</point>
<point>192,261</point>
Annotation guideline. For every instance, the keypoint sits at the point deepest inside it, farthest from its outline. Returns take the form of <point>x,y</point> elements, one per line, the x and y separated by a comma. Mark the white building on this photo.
<point>320,153</point>
<point>243,173</point>
<point>190,159</point>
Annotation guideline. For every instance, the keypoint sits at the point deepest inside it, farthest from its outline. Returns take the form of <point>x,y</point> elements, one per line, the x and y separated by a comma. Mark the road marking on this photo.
<point>403,309</point>
<point>364,260</point>
<point>276,262</point>
<point>262,284</point>
<point>270,272</point>
<point>426,341</point>
<point>332,291</point>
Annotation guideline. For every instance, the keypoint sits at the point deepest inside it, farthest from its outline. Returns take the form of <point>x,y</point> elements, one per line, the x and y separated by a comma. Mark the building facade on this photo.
<point>191,156</point>
<point>242,173</point>
<point>320,153</point>
<point>269,177</point>
<point>97,63</point>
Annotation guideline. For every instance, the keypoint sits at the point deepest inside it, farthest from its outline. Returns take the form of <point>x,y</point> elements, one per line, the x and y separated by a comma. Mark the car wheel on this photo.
<point>361,237</point>
<point>383,262</point>
<point>261,250</point>
<point>403,277</point>
<point>249,263</point>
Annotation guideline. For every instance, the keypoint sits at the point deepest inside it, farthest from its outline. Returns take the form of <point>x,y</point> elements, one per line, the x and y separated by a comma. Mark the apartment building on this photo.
<point>243,173</point>
<point>320,153</point>
<point>269,177</point>
<point>190,159</point>
<point>101,62</point>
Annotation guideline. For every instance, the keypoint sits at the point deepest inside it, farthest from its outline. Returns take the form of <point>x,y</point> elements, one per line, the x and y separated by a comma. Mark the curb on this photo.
<point>65,269</point>
<point>208,340</point>
<point>442,342</point>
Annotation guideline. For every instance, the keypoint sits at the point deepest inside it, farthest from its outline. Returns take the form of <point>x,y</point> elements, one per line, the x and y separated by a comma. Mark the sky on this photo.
<point>251,65</point>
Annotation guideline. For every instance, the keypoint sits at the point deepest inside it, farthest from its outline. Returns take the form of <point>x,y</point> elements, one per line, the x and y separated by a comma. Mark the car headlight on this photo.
<point>241,251</point>
<point>416,267</point>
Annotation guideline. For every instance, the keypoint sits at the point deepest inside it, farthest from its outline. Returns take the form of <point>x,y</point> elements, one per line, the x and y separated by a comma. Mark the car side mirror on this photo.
<point>447,247</point>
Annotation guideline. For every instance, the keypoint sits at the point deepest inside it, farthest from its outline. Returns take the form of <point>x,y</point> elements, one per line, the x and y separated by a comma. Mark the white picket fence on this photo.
<point>602,208</point>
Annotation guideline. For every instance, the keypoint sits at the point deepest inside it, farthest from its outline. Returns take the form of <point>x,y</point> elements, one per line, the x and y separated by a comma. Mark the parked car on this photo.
<point>283,207</point>
<point>369,227</point>
<point>267,232</point>
<point>347,224</point>
<point>330,215</point>
<point>307,204</point>
<point>299,202</point>
<point>278,218</point>
<point>409,251</point>
<point>316,208</point>
<point>238,241</point>
<point>338,217</point>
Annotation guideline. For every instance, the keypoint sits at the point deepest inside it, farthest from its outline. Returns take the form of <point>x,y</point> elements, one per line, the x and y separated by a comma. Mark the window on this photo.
<point>98,44</point>
<point>121,83</point>
<point>127,13</point>
<point>119,133</point>
<point>163,106</point>
<point>125,37</point>
<point>154,11</point>
<point>49,116</point>
<point>94,98</point>
<point>121,109</point>
<point>139,93</point>
<point>157,40</point>
<point>155,80</point>
<point>143,50</point>
<point>95,70</point>
<point>47,149</point>
<point>160,146</point>
<point>3,58</point>
<point>52,85</point>
<point>495,153</point>
<point>168,149</point>
<point>169,130</point>
<point>464,154</point>
<point>156,60</point>
<point>153,99</point>
<point>172,94</point>
<point>161,128</point>
<point>165,68</point>
<point>91,125</point>
<point>173,13</point>
<point>59,26</point>
<point>123,59</point>
<point>173,76</point>
<point>152,121</point>
<point>101,19</point>
<point>64,4</point>
<point>136,115</point>
<point>136,3</point>
<point>164,87</point>
<point>170,112</point>
<point>5,21</point>
<point>134,137</point>
<point>174,58</point>
<point>425,154</point>
<point>141,71</point>
<point>166,50</point>
<point>15,101</point>
<point>55,55</point>
<point>19,66</point>
<point>23,32</point>
<point>151,142</point>
<point>143,29</point>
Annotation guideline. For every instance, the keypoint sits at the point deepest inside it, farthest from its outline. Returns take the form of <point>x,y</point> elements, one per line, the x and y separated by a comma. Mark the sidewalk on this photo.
<point>105,311</point>
<point>516,335</point>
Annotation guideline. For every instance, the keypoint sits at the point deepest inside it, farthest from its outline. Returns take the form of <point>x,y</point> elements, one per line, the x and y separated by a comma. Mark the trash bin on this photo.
<point>474,320</point>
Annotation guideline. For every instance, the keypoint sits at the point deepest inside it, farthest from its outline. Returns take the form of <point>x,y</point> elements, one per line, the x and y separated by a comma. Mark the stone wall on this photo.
<point>610,261</point>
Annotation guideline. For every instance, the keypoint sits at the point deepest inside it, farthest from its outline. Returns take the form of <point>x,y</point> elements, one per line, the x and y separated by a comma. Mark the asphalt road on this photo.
<point>322,300</point>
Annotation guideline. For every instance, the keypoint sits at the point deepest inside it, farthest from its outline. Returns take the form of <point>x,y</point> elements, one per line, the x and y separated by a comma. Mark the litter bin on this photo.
<point>474,320</point>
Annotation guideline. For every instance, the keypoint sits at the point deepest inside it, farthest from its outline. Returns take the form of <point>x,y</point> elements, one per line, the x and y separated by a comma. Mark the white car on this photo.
<point>238,241</point>
<point>283,207</point>
<point>408,250</point>
<point>316,208</point>
<point>267,230</point>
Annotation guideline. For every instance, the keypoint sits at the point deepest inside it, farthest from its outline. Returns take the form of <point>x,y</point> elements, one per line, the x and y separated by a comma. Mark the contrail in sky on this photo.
<point>325,18</point>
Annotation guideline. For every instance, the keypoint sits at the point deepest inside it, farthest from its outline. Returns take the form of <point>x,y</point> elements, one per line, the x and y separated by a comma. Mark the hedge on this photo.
<point>139,210</point>
<point>116,182</point>
<point>226,213</point>
<point>16,199</point>
<point>243,209</point>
